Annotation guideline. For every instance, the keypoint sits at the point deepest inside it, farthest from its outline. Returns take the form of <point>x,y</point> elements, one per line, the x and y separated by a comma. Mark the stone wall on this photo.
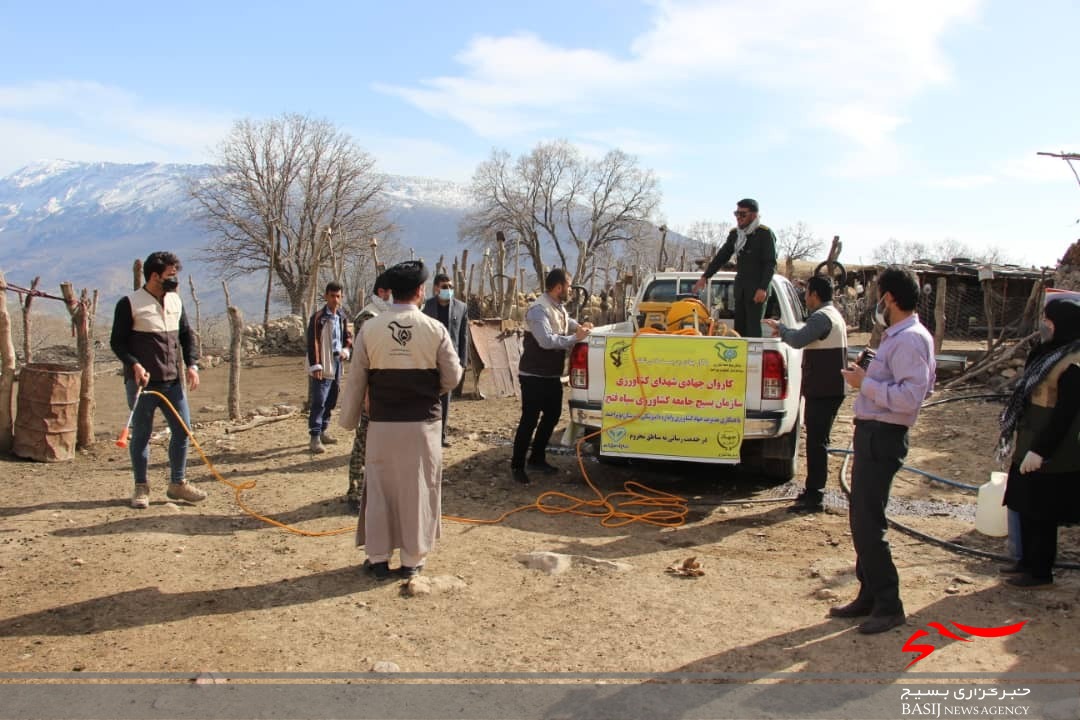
<point>284,336</point>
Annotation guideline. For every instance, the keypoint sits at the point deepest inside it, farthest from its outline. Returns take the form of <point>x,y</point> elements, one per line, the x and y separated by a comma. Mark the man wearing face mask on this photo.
<point>550,332</point>
<point>454,315</point>
<point>754,248</point>
<point>824,341</point>
<point>891,392</point>
<point>151,335</point>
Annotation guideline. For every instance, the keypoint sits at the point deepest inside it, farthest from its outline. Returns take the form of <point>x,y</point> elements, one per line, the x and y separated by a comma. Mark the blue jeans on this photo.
<point>142,424</point>
<point>322,396</point>
<point>1014,545</point>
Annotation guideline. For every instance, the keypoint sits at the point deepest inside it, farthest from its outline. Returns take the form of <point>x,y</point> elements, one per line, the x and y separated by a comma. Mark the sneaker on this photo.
<point>316,446</point>
<point>328,439</point>
<point>806,508</point>
<point>140,500</point>
<point>185,491</point>
<point>519,475</point>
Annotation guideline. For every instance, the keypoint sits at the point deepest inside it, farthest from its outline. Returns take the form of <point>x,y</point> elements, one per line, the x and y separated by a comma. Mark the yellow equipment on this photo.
<point>688,314</point>
<point>683,317</point>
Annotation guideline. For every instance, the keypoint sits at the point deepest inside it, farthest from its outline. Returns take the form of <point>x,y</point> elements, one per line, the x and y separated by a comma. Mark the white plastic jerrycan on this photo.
<point>991,517</point>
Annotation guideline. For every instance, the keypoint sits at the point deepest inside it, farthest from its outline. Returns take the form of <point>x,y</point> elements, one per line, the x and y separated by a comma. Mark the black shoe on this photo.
<point>806,508</point>
<point>380,570</point>
<point>353,503</point>
<point>882,623</point>
<point>520,475</point>
<point>445,443</point>
<point>1016,569</point>
<point>543,467</point>
<point>855,608</point>
<point>1027,580</point>
<point>408,573</point>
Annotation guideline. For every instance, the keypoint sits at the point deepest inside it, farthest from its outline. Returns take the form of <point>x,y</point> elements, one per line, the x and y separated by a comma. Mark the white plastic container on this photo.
<point>991,517</point>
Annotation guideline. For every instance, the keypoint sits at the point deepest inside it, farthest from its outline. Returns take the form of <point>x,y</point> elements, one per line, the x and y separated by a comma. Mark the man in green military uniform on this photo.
<point>380,302</point>
<point>754,248</point>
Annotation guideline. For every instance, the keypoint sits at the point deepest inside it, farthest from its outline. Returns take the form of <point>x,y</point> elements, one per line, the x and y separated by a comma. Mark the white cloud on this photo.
<point>628,140</point>
<point>90,121</point>
<point>874,53</point>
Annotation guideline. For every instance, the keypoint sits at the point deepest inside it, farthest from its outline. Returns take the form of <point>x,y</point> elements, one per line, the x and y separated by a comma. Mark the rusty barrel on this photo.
<point>47,412</point>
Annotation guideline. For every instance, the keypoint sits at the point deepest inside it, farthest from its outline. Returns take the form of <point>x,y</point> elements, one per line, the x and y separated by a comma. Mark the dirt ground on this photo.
<point>87,583</point>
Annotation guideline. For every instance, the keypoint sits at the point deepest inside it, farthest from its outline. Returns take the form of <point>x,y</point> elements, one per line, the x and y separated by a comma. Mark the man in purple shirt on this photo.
<point>891,391</point>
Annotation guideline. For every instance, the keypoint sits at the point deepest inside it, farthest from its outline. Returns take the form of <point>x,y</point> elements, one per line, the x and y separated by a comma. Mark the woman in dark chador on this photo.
<point>1043,415</point>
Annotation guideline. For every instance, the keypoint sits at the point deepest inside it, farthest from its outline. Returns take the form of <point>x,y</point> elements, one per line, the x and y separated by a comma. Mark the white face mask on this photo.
<point>446,294</point>
<point>879,314</point>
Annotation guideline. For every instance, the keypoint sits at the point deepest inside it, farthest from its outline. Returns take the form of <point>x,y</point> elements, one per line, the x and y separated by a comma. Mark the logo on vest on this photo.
<point>402,334</point>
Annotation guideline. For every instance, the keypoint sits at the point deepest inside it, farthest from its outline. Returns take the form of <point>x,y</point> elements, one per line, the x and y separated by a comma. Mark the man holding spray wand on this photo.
<point>150,335</point>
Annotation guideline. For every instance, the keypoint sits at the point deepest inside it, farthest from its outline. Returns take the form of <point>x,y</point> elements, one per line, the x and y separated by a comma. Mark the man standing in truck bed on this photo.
<point>754,248</point>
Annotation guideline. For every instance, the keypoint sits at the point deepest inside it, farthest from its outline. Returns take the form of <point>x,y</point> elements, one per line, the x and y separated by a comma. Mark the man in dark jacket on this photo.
<point>824,342</point>
<point>151,336</point>
<point>454,315</point>
<point>328,344</point>
<point>549,333</point>
<point>754,248</point>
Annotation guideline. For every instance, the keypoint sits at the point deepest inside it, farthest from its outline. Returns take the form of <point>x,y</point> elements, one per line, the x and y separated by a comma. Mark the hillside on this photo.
<point>87,223</point>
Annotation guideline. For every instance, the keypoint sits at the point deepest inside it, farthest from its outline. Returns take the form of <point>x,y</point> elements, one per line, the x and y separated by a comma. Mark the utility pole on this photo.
<point>1068,158</point>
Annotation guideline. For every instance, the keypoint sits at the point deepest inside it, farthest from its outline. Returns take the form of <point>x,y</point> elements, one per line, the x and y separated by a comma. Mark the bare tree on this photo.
<point>504,200</point>
<point>610,202</point>
<point>553,198</point>
<point>289,196</point>
<point>798,242</point>
<point>708,235</point>
<point>894,252</point>
<point>945,250</point>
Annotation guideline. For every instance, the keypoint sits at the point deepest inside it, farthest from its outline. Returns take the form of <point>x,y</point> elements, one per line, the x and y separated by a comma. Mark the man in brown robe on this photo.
<point>403,361</point>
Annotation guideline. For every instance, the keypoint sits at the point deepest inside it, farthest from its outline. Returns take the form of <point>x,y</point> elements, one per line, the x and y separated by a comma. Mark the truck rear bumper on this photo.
<point>760,424</point>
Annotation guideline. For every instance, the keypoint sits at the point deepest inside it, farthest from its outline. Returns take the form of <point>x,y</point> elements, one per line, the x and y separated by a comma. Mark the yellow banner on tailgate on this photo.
<point>694,397</point>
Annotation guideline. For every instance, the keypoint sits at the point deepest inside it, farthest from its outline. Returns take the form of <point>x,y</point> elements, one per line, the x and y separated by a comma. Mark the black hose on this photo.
<point>999,396</point>
<point>955,547</point>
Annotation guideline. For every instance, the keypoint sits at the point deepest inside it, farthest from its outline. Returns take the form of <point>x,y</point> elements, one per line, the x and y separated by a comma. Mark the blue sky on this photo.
<point>869,119</point>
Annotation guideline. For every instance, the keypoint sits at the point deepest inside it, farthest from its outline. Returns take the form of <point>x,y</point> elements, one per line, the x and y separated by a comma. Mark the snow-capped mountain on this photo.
<point>87,222</point>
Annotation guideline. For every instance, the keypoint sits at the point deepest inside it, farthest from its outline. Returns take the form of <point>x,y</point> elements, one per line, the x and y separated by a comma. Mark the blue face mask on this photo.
<point>446,294</point>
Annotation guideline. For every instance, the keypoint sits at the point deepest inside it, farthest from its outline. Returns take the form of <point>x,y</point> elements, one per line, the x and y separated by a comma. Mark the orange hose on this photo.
<point>612,510</point>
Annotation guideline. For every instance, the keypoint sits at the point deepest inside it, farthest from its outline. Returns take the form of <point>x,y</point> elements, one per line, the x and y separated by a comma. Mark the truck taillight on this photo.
<point>579,366</point>
<point>773,376</point>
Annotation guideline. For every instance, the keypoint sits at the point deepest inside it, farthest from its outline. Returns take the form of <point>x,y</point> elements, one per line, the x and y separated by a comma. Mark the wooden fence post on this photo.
<point>939,313</point>
<point>136,271</point>
<point>7,372</point>
<point>198,317</point>
<point>236,327</point>
<point>27,348</point>
<point>988,310</point>
<point>82,317</point>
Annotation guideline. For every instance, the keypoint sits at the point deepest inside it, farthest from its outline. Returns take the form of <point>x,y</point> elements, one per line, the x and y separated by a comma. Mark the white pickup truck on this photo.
<point>773,416</point>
